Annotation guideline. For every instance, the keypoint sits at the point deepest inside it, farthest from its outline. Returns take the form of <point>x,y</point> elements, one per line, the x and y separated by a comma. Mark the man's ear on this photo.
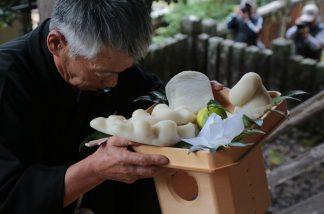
<point>56,42</point>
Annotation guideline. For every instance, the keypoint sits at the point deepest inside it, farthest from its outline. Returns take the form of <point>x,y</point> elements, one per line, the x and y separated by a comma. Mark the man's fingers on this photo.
<point>145,159</point>
<point>120,142</point>
<point>216,85</point>
<point>147,172</point>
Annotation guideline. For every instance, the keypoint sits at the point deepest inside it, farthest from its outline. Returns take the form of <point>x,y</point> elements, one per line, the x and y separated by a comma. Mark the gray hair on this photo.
<point>91,25</point>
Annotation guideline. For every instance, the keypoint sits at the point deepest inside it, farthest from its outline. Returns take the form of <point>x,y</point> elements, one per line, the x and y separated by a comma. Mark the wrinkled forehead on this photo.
<point>113,60</point>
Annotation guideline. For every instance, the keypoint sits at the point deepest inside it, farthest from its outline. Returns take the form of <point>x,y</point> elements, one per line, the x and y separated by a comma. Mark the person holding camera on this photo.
<point>246,24</point>
<point>308,33</point>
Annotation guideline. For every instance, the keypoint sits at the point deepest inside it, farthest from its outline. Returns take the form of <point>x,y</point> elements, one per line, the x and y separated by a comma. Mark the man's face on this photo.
<point>93,74</point>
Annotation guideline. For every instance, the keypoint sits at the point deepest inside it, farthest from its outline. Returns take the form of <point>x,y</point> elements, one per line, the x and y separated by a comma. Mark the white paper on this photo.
<point>217,132</point>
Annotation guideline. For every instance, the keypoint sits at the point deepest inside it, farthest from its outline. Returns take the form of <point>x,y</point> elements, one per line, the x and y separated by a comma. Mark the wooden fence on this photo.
<point>226,61</point>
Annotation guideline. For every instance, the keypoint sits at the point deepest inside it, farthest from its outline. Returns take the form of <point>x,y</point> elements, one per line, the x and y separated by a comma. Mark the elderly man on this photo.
<point>308,33</point>
<point>77,66</point>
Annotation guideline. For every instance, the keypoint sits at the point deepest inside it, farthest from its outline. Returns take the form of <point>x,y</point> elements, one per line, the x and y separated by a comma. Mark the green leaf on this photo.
<point>253,131</point>
<point>275,157</point>
<point>196,148</point>
<point>293,93</point>
<point>288,95</point>
<point>277,100</point>
<point>145,97</point>
<point>248,122</point>
<point>214,103</point>
<point>157,96</point>
<point>212,150</point>
<point>215,107</point>
<point>94,136</point>
<point>182,145</point>
<point>240,144</point>
<point>247,132</point>
<point>285,114</point>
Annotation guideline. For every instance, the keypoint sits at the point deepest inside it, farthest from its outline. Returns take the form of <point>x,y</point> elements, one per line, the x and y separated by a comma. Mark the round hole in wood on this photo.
<point>184,185</point>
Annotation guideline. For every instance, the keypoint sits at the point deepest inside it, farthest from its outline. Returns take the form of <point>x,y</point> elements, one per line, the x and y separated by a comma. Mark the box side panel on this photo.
<point>249,184</point>
<point>214,194</point>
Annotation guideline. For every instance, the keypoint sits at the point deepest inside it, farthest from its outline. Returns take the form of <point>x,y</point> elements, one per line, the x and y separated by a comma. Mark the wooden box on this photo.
<point>229,181</point>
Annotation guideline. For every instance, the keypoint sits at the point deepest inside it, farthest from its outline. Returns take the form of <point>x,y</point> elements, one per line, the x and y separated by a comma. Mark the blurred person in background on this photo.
<point>245,24</point>
<point>308,33</point>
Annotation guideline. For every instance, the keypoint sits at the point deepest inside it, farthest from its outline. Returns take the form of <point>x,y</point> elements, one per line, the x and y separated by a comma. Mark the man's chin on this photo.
<point>100,89</point>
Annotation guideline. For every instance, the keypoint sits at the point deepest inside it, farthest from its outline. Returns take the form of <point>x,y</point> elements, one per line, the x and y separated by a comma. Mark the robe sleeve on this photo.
<point>25,187</point>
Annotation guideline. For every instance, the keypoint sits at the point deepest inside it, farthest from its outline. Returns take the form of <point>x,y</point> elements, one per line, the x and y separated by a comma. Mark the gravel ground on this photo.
<point>285,149</point>
<point>298,189</point>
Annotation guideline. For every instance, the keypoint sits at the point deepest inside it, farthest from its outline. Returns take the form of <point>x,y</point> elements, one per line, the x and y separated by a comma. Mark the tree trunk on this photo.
<point>45,8</point>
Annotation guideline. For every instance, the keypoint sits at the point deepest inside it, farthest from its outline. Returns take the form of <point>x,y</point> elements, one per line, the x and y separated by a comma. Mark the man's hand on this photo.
<point>114,160</point>
<point>304,32</point>
<point>216,86</point>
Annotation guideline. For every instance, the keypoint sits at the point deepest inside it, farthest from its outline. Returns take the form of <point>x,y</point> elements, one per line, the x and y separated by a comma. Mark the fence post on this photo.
<point>293,71</point>
<point>282,50</point>
<point>191,26</point>
<point>171,58</point>
<point>319,77</point>
<point>264,65</point>
<point>237,67</point>
<point>251,57</point>
<point>201,54</point>
<point>182,51</point>
<point>213,57</point>
<point>209,26</point>
<point>307,75</point>
<point>225,58</point>
<point>156,57</point>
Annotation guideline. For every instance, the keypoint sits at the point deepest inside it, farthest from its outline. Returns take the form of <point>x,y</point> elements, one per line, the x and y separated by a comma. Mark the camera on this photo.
<point>246,8</point>
<point>301,25</point>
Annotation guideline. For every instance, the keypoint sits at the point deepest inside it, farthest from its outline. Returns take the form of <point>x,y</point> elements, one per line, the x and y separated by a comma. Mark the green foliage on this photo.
<point>247,132</point>
<point>248,122</point>
<point>7,14</point>
<point>275,157</point>
<point>149,2</point>
<point>288,95</point>
<point>6,3</point>
<point>216,107</point>
<point>6,18</point>
<point>308,142</point>
<point>182,145</point>
<point>208,9</point>
<point>216,9</point>
<point>157,96</point>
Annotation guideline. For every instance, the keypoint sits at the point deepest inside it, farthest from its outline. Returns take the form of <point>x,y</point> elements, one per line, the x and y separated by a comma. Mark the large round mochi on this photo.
<point>189,88</point>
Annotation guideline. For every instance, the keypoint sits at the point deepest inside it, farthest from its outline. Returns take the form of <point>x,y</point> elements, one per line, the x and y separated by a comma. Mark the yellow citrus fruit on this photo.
<point>204,113</point>
<point>202,117</point>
